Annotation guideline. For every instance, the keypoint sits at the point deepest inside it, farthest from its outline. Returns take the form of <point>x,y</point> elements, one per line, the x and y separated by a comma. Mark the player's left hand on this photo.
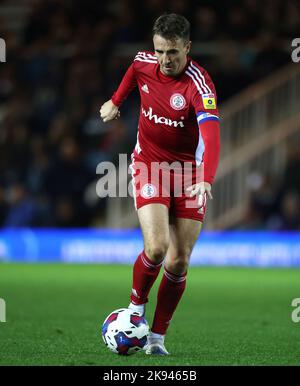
<point>202,190</point>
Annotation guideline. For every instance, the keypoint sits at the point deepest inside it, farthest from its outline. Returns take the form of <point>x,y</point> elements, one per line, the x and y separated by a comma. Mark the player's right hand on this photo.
<point>109,111</point>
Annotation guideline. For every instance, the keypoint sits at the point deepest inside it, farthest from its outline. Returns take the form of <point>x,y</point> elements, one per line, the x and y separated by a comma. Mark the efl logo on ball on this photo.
<point>148,191</point>
<point>177,102</point>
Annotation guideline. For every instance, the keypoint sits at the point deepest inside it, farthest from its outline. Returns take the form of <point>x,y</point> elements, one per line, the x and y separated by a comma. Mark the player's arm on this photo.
<point>110,109</point>
<point>204,101</point>
<point>209,128</point>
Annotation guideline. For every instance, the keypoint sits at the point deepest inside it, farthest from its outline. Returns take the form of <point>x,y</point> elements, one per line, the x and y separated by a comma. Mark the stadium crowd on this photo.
<point>68,59</point>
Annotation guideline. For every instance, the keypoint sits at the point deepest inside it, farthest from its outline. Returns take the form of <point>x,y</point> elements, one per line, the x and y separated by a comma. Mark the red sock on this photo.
<point>170,292</point>
<point>145,273</point>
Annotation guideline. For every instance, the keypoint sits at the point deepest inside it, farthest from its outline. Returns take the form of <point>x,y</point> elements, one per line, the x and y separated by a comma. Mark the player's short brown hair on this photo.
<point>172,26</point>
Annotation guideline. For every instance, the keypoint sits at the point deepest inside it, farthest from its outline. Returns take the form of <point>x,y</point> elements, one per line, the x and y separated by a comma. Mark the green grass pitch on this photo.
<point>227,316</point>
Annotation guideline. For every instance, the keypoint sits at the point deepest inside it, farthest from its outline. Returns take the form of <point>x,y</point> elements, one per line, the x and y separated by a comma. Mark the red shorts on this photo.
<point>166,184</point>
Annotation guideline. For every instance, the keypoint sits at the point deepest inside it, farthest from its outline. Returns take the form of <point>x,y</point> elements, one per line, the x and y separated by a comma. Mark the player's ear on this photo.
<point>188,47</point>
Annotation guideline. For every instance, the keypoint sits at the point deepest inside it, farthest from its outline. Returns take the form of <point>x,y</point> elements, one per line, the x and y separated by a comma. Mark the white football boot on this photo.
<point>156,345</point>
<point>140,308</point>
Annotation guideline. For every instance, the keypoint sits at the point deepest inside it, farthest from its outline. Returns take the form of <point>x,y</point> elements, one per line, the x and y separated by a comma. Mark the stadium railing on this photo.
<point>257,127</point>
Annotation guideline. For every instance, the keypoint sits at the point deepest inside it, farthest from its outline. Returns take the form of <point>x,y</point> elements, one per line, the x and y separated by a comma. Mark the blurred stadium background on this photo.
<point>63,60</point>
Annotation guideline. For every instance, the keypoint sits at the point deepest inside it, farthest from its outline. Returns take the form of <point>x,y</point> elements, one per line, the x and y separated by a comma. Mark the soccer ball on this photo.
<point>125,331</point>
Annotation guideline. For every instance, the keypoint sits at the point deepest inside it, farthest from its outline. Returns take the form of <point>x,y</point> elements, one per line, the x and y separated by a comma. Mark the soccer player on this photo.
<point>179,122</point>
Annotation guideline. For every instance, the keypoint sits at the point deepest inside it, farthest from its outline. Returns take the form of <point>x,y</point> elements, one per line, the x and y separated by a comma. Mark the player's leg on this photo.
<point>183,235</point>
<point>154,221</point>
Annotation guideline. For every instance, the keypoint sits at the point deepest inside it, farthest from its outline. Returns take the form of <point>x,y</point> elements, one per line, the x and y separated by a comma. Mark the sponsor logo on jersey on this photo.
<point>209,101</point>
<point>145,89</point>
<point>163,120</point>
<point>148,191</point>
<point>177,101</point>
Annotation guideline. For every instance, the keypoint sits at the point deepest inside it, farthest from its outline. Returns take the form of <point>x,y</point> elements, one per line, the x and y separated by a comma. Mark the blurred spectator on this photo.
<point>3,207</point>
<point>240,26</point>
<point>23,211</point>
<point>290,211</point>
<point>206,26</point>
<point>66,213</point>
<point>65,182</point>
<point>273,204</point>
<point>291,176</point>
<point>263,200</point>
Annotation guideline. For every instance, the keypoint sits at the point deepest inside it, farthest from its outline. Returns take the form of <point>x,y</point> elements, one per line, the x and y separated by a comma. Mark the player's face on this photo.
<point>171,54</point>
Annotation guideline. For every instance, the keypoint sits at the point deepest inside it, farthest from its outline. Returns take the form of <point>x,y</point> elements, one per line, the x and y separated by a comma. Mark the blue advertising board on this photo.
<point>235,248</point>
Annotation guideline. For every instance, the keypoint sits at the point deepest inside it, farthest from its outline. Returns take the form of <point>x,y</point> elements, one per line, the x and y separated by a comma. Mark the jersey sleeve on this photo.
<point>127,84</point>
<point>204,101</point>
<point>210,133</point>
<point>204,97</point>
<point>130,79</point>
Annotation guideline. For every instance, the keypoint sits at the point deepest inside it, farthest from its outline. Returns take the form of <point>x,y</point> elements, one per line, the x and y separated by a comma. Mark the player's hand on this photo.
<point>202,190</point>
<point>109,111</point>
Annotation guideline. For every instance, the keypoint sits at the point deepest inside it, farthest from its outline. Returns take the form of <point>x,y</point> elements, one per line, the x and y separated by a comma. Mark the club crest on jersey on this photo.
<point>148,191</point>
<point>177,101</point>
<point>209,101</point>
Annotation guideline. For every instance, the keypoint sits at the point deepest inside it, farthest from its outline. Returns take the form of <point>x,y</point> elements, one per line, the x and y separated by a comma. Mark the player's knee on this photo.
<point>179,268</point>
<point>157,251</point>
<point>180,262</point>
